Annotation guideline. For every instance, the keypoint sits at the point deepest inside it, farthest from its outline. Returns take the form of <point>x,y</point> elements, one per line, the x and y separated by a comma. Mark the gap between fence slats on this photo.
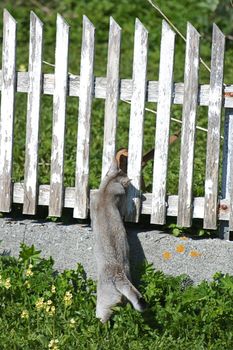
<point>158,209</point>
<point>214,125</point>
<point>33,115</point>
<point>7,110</point>
<point>84,120</point>
<point>136,122</point>
<point>189,113</point>
<point>112,96</point>
<point>59,113</point>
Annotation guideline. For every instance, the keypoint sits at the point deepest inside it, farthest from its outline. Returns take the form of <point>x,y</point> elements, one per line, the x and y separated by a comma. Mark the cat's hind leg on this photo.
<point>107,297</point>
<point>124,286</point>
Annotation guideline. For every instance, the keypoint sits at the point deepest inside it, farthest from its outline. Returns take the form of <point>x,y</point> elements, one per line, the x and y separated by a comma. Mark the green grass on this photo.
<point>201,14</point>
<point>41,309</point>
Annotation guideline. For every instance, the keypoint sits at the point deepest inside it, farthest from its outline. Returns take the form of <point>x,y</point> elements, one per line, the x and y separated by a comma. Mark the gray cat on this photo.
<point>111,245</point>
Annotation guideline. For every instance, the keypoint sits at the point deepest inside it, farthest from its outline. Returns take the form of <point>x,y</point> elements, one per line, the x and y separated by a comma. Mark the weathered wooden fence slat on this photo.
<point>84,120</point>
<point>112,96</point>
<point>136,121</point>
<point>158,209</point>
<point>59,113</point>
<point>33,115</point>
<point>214,124</point>
<point>7,110</point>
<point>188,127</point>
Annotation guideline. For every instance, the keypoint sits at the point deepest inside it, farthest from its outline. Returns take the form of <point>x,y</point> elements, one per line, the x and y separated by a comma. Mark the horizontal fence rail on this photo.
<point>125,89</point>
<point>112,88</point>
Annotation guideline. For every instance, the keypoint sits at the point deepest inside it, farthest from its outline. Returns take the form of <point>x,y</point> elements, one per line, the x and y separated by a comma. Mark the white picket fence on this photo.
<point>138,90</point>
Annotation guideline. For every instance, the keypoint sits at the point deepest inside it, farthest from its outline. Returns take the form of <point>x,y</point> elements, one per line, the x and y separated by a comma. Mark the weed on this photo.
<point>47,310</point>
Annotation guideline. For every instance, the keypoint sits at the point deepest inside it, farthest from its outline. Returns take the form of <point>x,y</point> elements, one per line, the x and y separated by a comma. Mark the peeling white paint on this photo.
<point>33,115</point>
<point>137,119</point>
<point>112,96</point>
<point>59,114</point>
<point>84,120</point>
<point>208,187</point>
<point>7,110</point>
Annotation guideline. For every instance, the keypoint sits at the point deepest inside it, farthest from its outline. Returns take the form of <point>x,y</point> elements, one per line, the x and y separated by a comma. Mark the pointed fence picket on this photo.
<point>214,129</point>
<point>159,206</point>
<point>112,96</point>
<point>136,121</point>
<point>112,88</point>
<point>84,121</point>
<point>59,115</point>
<point>188,127</point>
<point>7,110</point>
<point>33,115</point>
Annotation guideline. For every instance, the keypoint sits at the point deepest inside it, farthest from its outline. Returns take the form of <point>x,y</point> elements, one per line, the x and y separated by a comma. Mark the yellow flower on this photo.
<point>180,248</point>
<point>27,284</point>
<point>29,272</point>
<point>53,344</point>
<point>7,283</point>
<point>22,68</point>
<point>40,304</point>
<point>53,289</point>
<point>68,298</point>
<point>167,255</point>
<point>72,322</point>
<point>47,309</point>
<point>24,314</point>
<point>52,310</point>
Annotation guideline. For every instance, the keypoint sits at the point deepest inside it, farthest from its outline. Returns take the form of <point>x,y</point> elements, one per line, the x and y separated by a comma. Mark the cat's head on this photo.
<point>120,175</point>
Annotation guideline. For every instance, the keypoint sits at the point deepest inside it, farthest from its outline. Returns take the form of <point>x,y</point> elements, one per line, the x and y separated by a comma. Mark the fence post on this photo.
<point>227,173</point>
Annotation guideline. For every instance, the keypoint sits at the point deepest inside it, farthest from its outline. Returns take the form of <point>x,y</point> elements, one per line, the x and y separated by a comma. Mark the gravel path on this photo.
<point>69,244</point>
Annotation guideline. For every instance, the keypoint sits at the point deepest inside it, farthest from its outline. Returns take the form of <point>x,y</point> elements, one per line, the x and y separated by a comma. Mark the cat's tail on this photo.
<point>125,287</point>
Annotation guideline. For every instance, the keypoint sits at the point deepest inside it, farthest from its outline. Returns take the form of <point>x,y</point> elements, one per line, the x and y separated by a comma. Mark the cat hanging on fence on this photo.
<point>108,206</point>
